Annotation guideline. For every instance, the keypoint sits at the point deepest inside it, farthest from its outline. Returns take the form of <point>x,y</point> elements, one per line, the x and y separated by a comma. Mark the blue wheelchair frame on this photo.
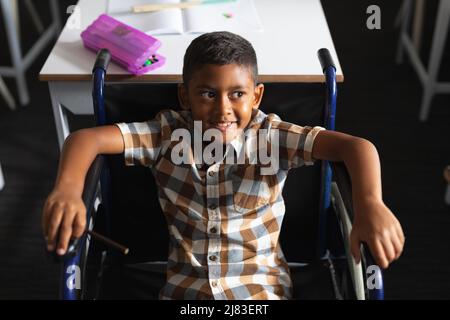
<point>71,275</point>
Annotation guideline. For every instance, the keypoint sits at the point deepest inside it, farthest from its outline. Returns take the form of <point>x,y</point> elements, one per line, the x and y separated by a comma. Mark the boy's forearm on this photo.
<point>79,151</point>
<point>374,223</point>
<point>361,159</point>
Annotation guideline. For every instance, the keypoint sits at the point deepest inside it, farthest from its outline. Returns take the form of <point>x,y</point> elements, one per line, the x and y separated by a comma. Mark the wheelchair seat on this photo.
<point>144,281</point>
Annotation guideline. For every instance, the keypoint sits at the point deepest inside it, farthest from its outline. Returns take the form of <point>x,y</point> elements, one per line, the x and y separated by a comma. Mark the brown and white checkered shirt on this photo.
<point>224,219</point>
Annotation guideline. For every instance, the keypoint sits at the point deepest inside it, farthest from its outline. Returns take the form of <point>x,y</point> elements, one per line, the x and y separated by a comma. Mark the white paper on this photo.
<point>199,19</point>
<point>211,17</point>
<point>159,22</point>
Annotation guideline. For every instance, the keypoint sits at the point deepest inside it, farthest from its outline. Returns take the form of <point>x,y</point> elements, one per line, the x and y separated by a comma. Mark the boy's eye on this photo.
<point>208,94</point>
<point>237,94</point>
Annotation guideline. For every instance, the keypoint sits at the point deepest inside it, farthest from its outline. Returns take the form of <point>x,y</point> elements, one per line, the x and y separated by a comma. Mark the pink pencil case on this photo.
<point>129,47</point>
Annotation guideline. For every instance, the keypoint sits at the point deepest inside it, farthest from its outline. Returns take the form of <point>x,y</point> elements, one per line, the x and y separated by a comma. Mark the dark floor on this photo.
<point>379,101</point>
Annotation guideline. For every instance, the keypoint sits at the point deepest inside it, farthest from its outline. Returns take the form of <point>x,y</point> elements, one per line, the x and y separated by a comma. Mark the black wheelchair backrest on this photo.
<point>137,219</point>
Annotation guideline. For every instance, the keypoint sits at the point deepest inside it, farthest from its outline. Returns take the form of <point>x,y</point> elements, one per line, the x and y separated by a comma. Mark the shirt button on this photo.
<point>212,258</point>
<point>213,206</point>
<point>211,173</point>
<point>214,283</point>
<point>213,230</point>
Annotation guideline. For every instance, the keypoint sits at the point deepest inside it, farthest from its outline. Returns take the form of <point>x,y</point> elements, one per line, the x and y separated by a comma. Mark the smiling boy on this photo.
<point>224,219</point>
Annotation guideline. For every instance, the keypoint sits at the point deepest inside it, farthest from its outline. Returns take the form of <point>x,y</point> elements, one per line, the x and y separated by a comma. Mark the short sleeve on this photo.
<point>295,143</point>
<point>143,140</point>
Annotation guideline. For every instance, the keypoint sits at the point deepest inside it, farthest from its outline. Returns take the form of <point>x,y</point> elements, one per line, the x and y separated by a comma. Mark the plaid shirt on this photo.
<point>224,219</point>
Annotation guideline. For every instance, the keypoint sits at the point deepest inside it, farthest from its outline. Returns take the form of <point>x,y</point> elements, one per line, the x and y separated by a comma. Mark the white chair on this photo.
<point>428,78</point>
<point>4,92</point>
<point>20,63</point>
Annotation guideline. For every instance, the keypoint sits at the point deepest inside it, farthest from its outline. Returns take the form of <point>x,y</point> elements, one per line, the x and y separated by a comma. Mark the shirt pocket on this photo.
<point>250,189</point>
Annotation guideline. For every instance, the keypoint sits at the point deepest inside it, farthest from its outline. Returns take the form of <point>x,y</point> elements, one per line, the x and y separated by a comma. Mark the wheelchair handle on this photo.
<point>102,60</point>
<point>325,59</point>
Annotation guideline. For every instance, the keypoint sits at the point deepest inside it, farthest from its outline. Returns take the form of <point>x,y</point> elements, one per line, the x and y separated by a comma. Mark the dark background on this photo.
<point>379,100</point>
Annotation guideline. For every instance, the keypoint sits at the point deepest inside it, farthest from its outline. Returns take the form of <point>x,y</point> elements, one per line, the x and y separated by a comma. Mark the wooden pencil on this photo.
<point>108,242</point>
<point>163,6</point>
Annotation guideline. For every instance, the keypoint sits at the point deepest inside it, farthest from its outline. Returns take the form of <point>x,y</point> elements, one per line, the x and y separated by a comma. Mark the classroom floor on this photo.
<point>379,101</point>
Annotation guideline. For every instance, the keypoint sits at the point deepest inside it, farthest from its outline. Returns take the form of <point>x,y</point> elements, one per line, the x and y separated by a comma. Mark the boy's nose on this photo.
<point>224,106</point>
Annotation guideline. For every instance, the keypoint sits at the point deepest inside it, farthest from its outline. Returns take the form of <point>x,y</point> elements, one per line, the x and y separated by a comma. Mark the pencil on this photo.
<point>182,5</point>
<point>124,250</point>
<point>164,6</point>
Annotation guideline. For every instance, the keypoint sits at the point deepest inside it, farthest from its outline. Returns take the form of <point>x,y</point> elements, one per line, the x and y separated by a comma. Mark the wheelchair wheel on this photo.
<point>93,256</point>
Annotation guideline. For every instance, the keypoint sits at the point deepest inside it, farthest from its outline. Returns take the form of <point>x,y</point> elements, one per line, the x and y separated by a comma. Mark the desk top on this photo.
<point>286,49</point>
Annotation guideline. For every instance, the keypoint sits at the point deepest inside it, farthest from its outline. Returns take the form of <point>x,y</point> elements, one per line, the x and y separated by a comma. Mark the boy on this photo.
<point>224,217</point>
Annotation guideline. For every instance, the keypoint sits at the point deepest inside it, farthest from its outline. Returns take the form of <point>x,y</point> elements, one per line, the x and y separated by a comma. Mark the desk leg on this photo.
<point>73,96</point>
<point>59,112</point>
<point>437,48</point>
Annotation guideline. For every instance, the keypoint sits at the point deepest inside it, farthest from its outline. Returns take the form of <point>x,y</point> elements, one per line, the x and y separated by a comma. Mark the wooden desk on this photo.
<point>286,51</point>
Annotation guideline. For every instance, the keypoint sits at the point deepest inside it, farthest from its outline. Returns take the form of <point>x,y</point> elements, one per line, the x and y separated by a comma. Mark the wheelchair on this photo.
<point>122,203</point>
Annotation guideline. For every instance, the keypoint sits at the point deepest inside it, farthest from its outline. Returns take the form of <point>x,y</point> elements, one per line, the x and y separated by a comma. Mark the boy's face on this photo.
<point>222,97</point>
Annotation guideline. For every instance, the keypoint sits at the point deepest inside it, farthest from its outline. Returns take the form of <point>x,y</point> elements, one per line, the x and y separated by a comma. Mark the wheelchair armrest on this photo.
<point>89,197</point>
<point>343,182</point>
<point>91,182</point>
<point>325,59</point>
<point>75,259</point>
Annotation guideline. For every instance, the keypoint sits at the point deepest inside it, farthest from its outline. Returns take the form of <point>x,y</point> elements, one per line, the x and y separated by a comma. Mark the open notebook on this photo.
<point>235,16</point>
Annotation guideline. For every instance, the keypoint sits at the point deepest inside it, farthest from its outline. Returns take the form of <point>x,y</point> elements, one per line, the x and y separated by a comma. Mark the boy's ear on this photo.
<point>258,94</point>
<point>183,96</point>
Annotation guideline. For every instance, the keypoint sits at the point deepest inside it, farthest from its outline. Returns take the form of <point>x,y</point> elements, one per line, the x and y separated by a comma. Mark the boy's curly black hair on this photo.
<point>219,48</point>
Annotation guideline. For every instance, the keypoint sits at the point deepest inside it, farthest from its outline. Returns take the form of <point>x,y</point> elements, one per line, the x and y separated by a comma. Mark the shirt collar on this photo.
<point>238,142</point>
<point>258,118</point>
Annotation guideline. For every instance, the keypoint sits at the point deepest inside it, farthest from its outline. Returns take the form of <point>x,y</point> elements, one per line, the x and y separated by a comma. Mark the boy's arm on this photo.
<point>374,223</point>
<point>64,210</point>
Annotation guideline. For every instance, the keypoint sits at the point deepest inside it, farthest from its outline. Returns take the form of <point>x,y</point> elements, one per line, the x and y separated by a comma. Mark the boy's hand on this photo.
<point>377,226</point>
<point>64,217</point>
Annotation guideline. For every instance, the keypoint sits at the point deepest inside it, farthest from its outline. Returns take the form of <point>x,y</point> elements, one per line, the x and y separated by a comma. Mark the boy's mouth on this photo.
<point>223,126</point>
